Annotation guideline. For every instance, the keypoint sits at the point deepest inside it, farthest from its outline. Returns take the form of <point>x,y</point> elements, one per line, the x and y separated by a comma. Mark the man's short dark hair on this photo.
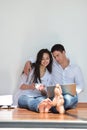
<point>57,47</point>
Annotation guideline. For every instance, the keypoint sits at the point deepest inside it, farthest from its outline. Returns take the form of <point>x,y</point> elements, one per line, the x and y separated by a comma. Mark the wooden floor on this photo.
<point>24,118</point>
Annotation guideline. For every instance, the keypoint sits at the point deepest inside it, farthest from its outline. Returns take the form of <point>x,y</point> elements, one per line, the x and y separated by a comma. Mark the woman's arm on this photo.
<point>25,86</point>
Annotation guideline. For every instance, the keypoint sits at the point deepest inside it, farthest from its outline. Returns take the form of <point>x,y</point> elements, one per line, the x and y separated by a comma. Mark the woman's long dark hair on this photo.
<point>37,64</point>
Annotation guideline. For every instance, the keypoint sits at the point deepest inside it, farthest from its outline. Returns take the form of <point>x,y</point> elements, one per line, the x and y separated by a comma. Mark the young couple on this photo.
<point>47,71</point>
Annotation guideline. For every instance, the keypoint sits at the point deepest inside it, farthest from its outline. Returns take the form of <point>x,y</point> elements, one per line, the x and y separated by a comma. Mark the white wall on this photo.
<point>29,25</point>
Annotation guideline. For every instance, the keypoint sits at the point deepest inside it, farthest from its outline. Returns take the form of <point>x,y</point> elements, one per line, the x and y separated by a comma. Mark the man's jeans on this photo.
<point>70,101</point>
<point>30,103</point>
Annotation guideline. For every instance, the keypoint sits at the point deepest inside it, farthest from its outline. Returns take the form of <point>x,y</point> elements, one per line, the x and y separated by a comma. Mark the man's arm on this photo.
<point>27,68</point>
<point>79,80</point>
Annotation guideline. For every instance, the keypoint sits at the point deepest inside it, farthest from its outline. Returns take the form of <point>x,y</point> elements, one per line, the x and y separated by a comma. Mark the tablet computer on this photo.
<point>66,89</point>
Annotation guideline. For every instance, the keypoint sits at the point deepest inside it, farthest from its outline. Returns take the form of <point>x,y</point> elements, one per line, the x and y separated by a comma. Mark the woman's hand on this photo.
<point>41,88</point>
<point>32,86</point>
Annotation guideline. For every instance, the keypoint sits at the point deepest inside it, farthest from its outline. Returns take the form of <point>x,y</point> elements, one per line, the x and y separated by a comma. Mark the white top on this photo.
<point>45,80</point>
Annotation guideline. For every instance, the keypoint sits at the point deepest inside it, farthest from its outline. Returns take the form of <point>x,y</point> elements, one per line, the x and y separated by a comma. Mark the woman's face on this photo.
<point>45,60</point>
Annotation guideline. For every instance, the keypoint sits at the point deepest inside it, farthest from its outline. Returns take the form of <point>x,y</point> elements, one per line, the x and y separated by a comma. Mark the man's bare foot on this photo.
<point>57,94</point>
<point>58,100</point>
<point>60,106</point>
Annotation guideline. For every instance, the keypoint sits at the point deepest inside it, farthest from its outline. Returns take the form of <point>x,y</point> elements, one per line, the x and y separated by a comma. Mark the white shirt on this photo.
<point>24,79</point>
<point>71,74</point>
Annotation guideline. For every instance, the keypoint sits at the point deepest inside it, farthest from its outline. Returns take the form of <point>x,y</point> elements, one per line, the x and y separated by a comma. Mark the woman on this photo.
<point>32,91</point>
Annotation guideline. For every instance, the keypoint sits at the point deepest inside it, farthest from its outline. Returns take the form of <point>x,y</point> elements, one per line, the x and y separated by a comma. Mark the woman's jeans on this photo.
<point>30,103</point>
<point>69,102</point>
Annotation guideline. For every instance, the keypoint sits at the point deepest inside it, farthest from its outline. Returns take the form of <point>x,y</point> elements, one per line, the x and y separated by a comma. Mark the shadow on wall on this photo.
<point>5,83</point>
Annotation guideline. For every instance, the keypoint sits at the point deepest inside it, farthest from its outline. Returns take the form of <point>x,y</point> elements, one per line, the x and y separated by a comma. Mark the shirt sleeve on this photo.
<point>23,80</point>
<point>32,60</point>
<point>79,80</point>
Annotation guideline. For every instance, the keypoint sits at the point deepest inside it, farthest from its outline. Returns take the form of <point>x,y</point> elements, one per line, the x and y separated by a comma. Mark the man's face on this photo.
<point>59,56</point>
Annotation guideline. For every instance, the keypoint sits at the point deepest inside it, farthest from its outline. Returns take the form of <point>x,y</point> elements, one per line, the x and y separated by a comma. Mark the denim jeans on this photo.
<point>69,102</point>
<point>30,103</point>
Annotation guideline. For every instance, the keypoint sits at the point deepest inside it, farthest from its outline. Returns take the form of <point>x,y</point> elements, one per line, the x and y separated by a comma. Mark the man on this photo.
<point>64,72</point>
